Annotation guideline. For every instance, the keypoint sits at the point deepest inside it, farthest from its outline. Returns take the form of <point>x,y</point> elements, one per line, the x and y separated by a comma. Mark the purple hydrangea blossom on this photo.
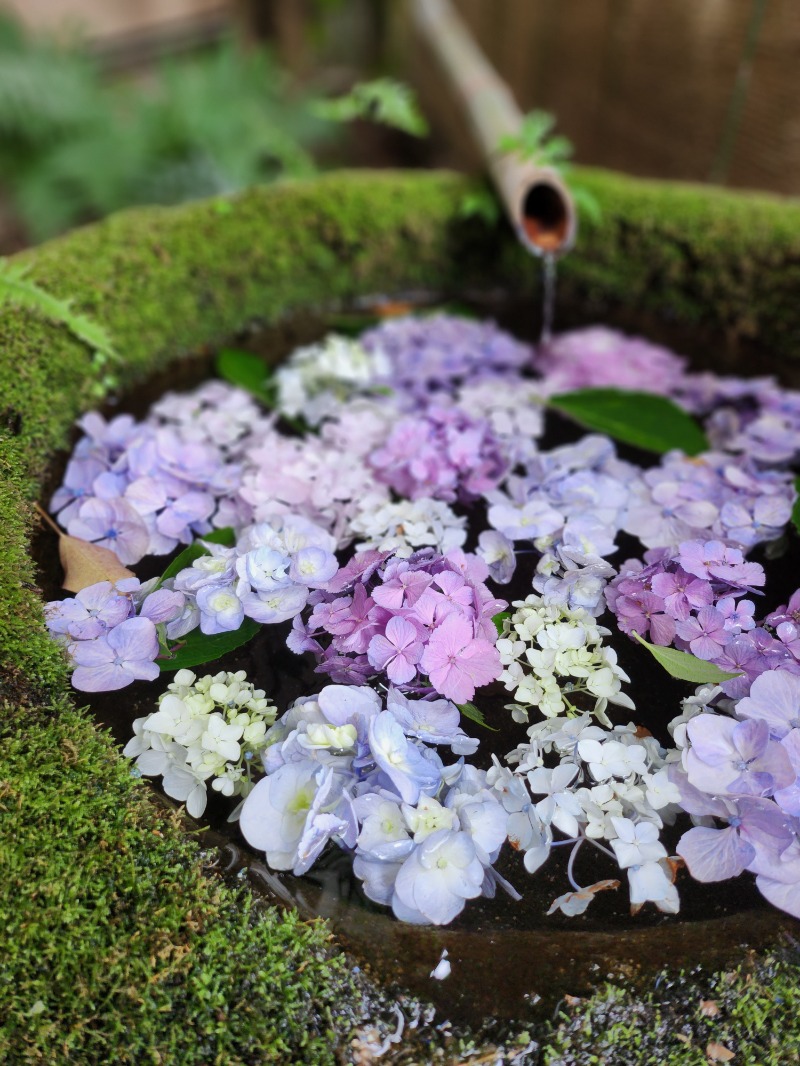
<point>774,698</point>
<point>426,615</point>
<point>442,453</point>
<point>143,488</point>
<point>596,357</point>
<point>712,497</point>
<point>735,758</point>
<point>754,825</point>
<point>113,660</point>
<point>342,769</point>
<point>434,355</point>
<point>93,611</point>
<point>688,597</point>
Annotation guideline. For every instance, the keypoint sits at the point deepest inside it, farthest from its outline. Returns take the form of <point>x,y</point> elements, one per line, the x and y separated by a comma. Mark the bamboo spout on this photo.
<point>536,200</point>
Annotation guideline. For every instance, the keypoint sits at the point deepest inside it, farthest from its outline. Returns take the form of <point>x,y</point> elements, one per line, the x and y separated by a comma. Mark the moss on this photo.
<point>119,946</point>
<point>729,261</point>
<point>117,949</point>
<point>750,1011</point>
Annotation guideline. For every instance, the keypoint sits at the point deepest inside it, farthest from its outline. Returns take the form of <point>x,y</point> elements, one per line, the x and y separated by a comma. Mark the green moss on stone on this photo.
<point>118,947</point>
<point>685,1020</point>
<point>698,255</point>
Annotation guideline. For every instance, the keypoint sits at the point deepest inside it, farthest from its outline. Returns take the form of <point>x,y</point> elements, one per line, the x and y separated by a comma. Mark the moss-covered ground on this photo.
<point>118,946</point>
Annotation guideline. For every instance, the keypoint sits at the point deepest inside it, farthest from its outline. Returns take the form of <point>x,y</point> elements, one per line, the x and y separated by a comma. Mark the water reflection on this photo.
<point>508,960</point>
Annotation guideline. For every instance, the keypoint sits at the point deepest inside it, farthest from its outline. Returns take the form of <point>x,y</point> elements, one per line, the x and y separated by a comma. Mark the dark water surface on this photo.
<point>509,960</point>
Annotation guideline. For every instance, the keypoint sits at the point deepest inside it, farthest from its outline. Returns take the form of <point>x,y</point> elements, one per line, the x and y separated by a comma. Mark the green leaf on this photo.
<point>248,372</point>
<point>498,620</point>
<point>469,710</point>
<point>383,100</point>
<point>639,418</point>
<point>686,667</point>
<point>536,141</point>
<point>225,536</point>
<point>197,648</point>
<point>796,508</point>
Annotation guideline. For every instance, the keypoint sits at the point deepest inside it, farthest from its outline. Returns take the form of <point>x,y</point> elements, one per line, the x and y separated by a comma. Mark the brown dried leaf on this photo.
<point>709,1008</point>
<point>85,564</point>
<point>719,1053</point>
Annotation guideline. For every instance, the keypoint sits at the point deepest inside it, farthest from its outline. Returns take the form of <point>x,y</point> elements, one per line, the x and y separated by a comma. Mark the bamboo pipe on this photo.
<point>537,202</point>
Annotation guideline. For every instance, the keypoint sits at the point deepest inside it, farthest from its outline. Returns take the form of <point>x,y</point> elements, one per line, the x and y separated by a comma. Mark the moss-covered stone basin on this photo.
<point>119,947</point>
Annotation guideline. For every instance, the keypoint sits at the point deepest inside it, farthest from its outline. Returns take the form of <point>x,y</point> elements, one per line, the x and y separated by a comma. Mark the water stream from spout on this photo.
<point>548,297</point>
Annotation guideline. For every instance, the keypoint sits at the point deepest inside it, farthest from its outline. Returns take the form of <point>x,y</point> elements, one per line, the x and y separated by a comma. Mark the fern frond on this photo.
<point>46,89</point>
<point>17,289</point>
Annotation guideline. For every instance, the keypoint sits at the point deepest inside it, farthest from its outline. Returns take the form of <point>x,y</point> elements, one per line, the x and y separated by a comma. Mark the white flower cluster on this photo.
<point>607,785</point>
<point>213,727</point>
<point>319,377</point>
<point>407,525</point>
<point>551,652</point>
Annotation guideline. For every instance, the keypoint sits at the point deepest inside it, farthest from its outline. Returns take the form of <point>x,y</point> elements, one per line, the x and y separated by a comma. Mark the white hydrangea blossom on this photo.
<point>405,526</point>
<point>607,787</point>
<point>210,728</point>
<point>550,652</point>
<point>318,378</point>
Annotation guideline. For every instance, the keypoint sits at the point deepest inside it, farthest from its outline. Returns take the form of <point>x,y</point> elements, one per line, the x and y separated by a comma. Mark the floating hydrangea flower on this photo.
<point>596,357</point>
<point>440,352</point>
<point>456,661</point>
<point>551,654</point>
<point>407,525</point>
<point>444,454</point>
<point>425,622</point>
<point>143,488</point>
<point>208,728</point>
<point>114,659</point>
<point>341,768</point>
<point>316,379</point>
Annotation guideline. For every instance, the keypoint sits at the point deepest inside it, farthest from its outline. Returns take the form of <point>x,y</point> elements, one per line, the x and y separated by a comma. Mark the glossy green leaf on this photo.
<point>248,372</point>
<point>197,648</point>
<point>469,710</point>
<point>686,667</point>
<point>225,536</point>
<point>639,418</point>
<point>796,508</point>
<point>499,619</point>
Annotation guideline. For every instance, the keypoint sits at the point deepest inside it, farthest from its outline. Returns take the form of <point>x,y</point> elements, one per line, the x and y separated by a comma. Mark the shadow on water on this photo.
<point>509,960</point>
